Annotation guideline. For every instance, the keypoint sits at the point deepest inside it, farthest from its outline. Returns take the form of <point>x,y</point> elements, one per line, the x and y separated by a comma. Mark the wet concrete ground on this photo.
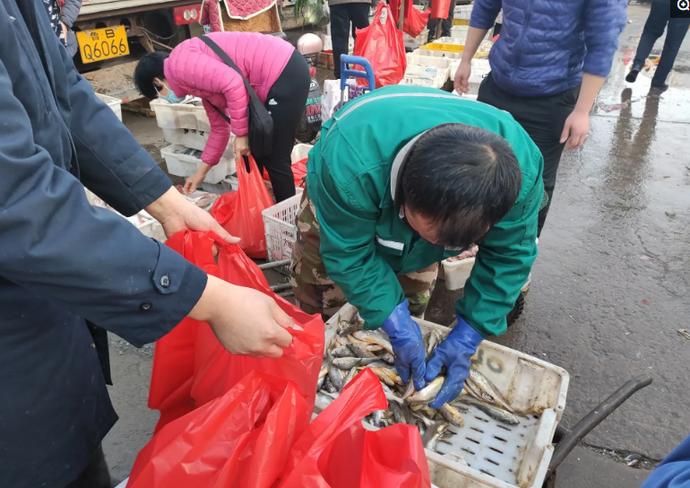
<point>609,292</point>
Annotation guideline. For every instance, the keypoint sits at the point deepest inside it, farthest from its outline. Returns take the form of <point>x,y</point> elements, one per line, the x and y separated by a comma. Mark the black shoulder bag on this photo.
<point>260,121</point>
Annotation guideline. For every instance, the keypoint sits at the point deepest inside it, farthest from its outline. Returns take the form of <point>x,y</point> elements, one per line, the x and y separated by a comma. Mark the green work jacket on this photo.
<point>364,241</point>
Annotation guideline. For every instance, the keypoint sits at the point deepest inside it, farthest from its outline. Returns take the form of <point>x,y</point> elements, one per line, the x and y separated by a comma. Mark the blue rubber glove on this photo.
<point>454,353</point>
<point>408,344</point>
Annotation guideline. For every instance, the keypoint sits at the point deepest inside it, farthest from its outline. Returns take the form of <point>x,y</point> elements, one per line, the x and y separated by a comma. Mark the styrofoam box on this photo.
<point>462,11</point>
<point>456,272</point>
<point>115,104</point>
<point>299,152</point>
<point>180,115</point>
<point>495,455</point>
<point>459,31</point>
<point>183,161</point>
<point>433,61</point>
<point>425,76</point>
<point>195,139</point>
<point>436,53</point>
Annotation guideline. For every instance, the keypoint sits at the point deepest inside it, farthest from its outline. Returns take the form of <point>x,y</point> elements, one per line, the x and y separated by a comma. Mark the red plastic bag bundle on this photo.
<point>440,9</point>
<point>190,366</point>
<point>242,438</point>
<point>240,212</point>
<point>336,451</point>
<point>299,171</point>
<point>415,20</point>
<point>382,44</point>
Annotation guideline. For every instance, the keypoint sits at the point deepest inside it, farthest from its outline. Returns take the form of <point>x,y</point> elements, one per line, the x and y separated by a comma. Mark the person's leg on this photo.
<point>286,102</point>
<point>653,29</point>
<point>340,33</point>
<point>359,16</point>
<point>96,474</point>
<point>314,290</point>
<point>675,33</point>
<point>447,23</point>
<point>432,26</point>
<point>418,287</point>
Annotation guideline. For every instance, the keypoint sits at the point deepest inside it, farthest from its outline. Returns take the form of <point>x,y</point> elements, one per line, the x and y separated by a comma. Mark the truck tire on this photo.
<point>518,307</point>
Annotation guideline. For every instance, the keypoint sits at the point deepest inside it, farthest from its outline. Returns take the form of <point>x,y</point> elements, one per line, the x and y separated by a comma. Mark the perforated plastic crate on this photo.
<point>180,115</point>
<point>280,224</point>
<point>485,453</point>
<point>183,161</point>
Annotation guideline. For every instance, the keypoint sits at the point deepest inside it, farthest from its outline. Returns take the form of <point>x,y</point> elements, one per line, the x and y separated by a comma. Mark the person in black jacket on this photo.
<point>63,262</point>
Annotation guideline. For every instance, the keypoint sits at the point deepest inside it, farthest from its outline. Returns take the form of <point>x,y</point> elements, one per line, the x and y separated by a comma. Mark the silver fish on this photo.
<point>350,375</point>
<point>341,352</point>
<point>432,341</point>
<point>337,377</point>
<point>387,375</point>
<point>348,363</point>
<point>388,358</point>
<point>427,393</point>
<point>397,412</point>
<point>372,337</point>
<point>433,433</point>
<point>359,350</point>
<point>487,390</point>
<point>323,372</point>
<point>491,410</point>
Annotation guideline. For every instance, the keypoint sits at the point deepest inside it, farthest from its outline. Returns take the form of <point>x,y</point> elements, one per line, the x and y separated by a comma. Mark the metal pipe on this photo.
<point>594,418</point>
<point>281,287</point>
<point>275,264</point>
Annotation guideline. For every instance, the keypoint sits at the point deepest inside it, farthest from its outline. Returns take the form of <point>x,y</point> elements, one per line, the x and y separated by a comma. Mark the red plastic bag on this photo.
<point>190,366</point>
<point>415,20</point>
<point>240,212</point>
<point>336,451</point>
<point>299,171</point>
<point>242,438</point>
<point>382,44</point>
<point>440,9</point>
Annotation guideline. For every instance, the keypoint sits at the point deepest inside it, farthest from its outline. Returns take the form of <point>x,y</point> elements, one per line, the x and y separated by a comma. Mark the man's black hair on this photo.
<point>463,178</point>
<point>149,67</point>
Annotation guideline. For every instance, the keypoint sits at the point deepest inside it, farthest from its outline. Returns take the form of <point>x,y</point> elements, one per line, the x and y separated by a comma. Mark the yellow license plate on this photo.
<point>99,44</point>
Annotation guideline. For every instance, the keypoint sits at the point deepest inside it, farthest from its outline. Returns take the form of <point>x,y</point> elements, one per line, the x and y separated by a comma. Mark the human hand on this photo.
<point>575,129</point>
<point>176,213</point>
<point>462,77</point>
<point>454,354</point>
<point>244,320</point>
<point>241,148</point>
<point>408,344</point>
<point>63,31</point>
<point>193,182</point>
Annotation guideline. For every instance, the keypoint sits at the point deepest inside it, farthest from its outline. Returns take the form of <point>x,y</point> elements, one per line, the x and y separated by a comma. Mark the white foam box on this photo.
<point>480,70</point>
<point>433,61</point>
<point>183,161</point>
<point>462,12</point>
<point>115,104</point>
<point>194,139</point>
<point>299,152</point>
<point>495,455</point>
<point>425,76</point>
<point>189,115</point>
<point>437,53</point>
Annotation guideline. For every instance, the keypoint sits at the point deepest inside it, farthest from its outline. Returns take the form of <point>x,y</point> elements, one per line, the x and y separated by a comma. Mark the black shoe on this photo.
<point>659,88</point>
<point>632,76</point>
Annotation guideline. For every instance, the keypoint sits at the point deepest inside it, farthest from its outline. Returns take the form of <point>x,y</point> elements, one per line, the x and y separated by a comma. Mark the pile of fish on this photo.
<point>354,348</point>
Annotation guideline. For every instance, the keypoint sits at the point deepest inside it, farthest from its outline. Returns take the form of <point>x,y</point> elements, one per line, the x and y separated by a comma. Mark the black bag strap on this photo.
<point>226,59</point>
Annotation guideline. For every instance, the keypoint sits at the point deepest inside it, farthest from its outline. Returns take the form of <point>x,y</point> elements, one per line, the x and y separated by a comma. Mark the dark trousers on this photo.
<point>95,475</point>
<point>543,119</point>
<point>446,24</point>
<point>343,16</point>
<point>286,102</point>
<point>658,19</point>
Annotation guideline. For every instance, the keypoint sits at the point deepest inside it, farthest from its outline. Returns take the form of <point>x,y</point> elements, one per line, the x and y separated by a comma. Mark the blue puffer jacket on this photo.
<point>546,45</point>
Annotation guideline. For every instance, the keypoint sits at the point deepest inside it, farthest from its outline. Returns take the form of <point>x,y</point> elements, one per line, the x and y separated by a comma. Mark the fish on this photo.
<point>359,349</point>
<point>491,410</point>
<point>372,337</point>
<point>328,386</point>
<point>388,358</point>
<point>409,391</point>
<point>488,392</point>
<point>347,363</point>
<point>337,377</point>
<point>452,415</point>
<point>323,372</point>
<point>349,376</point>
<point>388,376</point>
<point>427,393</point>
<point>341,352</point>
<point>432,341</point>
<point>396,410</point>
<point>433,433</point>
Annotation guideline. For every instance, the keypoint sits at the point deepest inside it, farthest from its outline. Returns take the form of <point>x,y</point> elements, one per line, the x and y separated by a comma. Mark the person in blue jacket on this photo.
<point>63,262</point>
<point>546,68</point>
<point>673,471</point>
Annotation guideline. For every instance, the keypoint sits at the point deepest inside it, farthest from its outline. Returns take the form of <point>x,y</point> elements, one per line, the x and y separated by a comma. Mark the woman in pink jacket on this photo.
<point>276,71</point>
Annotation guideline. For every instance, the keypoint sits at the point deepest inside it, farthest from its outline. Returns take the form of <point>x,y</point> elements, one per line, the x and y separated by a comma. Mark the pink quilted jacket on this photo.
<point>193,69</point>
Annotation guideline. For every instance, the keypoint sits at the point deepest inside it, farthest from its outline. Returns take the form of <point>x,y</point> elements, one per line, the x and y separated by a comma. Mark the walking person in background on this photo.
<point>211,18</point>
<point>446,24</point>
<point>63,14</point>
<point>547,68</point>
<point>276,71</point>
<point>346,16</point>
<point>659,19</point>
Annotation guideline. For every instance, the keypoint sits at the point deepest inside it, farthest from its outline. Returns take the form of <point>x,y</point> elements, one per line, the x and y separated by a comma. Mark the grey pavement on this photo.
<point>610,288</point>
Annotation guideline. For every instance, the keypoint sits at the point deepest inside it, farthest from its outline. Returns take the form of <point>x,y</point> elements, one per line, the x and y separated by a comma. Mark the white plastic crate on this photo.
<point>415,42</point>
<point>280,224</point>
<point>459,31</point>
<point>480,70</point>
<point>183,161</point>
<point>495,455</point>
<point>462,12</point>
<point>432,61</point>
<point>180,115</point>
<point>115,104</point>
<point>425,76</point>
<point>194,139</point>
<point>299,152</point>
<point>436,53</point>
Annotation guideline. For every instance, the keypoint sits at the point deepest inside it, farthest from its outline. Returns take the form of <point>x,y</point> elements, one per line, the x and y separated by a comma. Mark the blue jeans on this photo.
<point>659,17</point>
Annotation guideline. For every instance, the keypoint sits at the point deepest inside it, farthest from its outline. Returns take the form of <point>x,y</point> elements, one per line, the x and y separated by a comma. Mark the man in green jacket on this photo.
<point>400,179</point>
